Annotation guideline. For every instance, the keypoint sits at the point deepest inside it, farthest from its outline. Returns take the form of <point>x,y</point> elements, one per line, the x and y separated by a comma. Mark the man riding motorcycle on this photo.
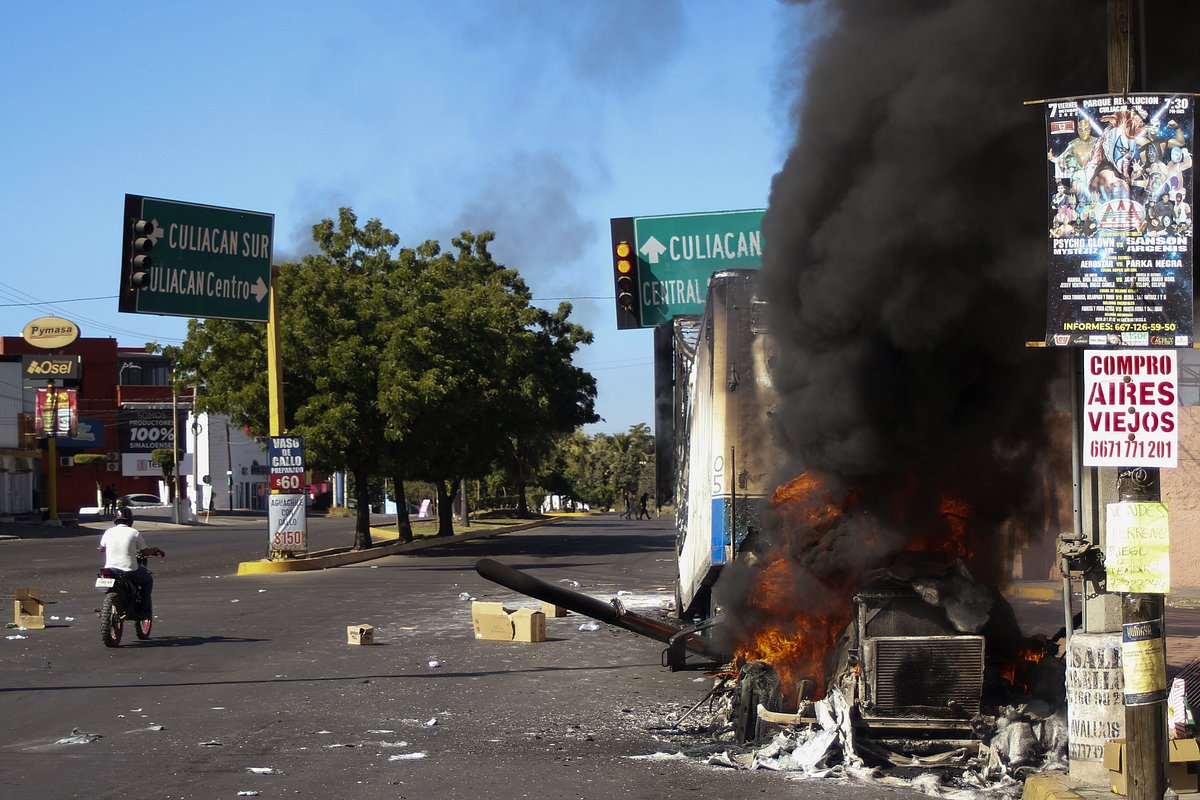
<point>121,545</point>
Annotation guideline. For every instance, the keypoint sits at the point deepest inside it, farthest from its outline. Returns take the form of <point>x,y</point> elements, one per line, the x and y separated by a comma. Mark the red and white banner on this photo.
<point>1131,408</point>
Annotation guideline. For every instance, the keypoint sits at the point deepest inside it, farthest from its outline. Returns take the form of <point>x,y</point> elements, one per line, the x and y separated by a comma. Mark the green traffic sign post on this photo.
<point>674,255</point>
<point>192,260</point>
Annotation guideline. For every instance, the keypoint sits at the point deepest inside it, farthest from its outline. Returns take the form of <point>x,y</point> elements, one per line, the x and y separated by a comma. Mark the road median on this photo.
<point>389,545</point>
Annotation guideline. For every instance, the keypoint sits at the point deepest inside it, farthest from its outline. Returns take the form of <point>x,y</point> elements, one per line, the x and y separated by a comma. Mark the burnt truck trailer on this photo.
<point>727,452</point>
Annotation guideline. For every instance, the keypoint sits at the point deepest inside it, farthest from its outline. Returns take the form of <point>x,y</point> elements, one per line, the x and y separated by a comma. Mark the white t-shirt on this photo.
<point>121,545</point>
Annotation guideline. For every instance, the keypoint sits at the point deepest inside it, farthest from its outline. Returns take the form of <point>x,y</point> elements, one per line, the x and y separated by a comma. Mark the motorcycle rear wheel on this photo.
<point>111,626</point>
<point>142,627</point>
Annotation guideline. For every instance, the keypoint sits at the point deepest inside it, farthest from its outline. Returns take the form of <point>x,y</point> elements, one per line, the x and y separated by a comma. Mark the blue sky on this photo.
<point>539,120</point>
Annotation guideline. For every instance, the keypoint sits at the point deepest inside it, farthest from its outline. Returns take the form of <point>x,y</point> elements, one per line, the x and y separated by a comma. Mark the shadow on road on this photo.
<point>192,641</point>
<point>547,544</point>
<point>425,676</point>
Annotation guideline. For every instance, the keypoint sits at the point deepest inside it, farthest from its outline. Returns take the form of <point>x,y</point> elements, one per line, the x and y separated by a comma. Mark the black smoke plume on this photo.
<point>905,262</point>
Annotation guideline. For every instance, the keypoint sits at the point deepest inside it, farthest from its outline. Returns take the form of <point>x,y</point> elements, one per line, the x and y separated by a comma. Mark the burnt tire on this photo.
<point>757,683</point>
<point>111,626</point>
<point>143,626</point>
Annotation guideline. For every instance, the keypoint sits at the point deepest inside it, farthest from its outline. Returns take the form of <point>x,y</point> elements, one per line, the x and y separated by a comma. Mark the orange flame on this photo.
<point>1016,673</point>
<point>797,636</point>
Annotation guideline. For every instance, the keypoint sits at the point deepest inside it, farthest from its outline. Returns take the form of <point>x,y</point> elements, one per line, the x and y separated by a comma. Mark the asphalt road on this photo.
<point>248,684</point>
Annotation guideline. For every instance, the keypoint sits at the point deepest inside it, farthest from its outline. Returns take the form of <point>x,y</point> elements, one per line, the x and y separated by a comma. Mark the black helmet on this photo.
<point>124,516</point>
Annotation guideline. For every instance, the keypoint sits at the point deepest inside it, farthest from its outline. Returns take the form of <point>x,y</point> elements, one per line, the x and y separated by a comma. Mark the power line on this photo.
<point>55,302</point>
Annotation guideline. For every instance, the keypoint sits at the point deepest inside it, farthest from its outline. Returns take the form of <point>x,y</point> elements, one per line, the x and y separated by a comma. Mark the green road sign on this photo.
<point>674,255</point>
<point>191,260</point>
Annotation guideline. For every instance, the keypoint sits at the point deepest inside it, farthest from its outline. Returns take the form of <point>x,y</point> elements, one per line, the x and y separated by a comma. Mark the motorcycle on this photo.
<point>122,597</point>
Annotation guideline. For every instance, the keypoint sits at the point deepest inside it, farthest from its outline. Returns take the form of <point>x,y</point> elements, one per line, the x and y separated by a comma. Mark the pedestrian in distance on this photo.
<point>644,509</point>
<point>628,507</point>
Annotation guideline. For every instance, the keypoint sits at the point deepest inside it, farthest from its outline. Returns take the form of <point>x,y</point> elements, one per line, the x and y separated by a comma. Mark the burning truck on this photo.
<point>916,652</point>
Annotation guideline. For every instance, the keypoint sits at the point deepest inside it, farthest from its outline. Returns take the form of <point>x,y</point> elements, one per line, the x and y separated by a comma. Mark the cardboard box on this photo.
<point>360,634</point>
<point>529,625</point>
<point>1184,774</point>
<point>1047,786</point>
<point>28,609</point>
<point>551,610</point>
<point>495,622</point>
<point>491,621</point>
<point>1185,765</point>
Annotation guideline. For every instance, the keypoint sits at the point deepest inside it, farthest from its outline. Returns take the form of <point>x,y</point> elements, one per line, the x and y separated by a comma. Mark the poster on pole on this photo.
<point>1137,548</point>
<point>1131,408</point>
<point>55,413</point>
<point>1120,221</point>
<point>288,523</point>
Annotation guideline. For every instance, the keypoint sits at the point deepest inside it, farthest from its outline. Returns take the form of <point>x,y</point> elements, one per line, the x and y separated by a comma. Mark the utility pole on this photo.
<point>196,484</point>
<point>1145,724</point>
<point>52,452</point>
<point>174,448</point>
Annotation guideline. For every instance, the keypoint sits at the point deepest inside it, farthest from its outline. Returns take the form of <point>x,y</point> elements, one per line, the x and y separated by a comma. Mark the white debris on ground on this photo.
<point>261,770</point>
<point>1019,741</point>
<point>407,756</point>
<point>79,737</point>
<point>589,626</point>
<point>660,756</point>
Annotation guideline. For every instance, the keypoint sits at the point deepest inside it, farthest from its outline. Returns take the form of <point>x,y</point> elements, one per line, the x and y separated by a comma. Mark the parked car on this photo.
<point>140,501</point>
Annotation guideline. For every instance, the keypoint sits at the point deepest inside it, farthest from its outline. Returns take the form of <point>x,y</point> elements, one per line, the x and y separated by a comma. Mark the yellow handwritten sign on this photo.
<point>1137,548</point>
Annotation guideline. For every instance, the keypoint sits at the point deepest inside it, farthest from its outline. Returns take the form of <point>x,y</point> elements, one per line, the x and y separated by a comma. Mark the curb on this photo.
<point>339,559</point>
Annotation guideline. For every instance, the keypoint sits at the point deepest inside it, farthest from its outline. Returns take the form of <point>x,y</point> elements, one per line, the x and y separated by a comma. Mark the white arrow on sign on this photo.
<point>156,234</point>
<point>652,249</point>
<point>260,290</point>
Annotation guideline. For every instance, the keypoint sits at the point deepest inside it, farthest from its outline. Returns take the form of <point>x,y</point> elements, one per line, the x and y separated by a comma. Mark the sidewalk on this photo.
<point>73,524</point>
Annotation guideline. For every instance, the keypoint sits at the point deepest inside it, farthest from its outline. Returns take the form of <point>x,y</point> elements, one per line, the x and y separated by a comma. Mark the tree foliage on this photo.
<point>601,469</point>
<point>408,363</point>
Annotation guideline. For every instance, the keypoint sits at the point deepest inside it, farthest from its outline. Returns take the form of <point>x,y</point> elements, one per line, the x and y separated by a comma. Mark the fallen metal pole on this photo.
<point>612,613</point>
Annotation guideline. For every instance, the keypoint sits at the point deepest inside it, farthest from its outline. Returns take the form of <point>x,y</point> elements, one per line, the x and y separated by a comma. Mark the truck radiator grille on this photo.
<point>925,675</point>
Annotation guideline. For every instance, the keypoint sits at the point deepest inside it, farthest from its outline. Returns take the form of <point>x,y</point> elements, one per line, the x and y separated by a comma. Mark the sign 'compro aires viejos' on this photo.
<point>191,260</point>
<point>1120,220</point>
<point>671,258</point>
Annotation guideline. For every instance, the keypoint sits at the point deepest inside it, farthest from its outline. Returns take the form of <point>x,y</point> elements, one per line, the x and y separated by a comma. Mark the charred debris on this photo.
<point>929,679</point>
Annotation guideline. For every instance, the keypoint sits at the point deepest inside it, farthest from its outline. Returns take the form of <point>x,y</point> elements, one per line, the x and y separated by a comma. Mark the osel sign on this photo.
<point>50,333</point>
<point>50,368</point>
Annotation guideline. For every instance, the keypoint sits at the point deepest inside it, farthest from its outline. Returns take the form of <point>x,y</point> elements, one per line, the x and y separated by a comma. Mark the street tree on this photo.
<point>330,354</point>
<point>446,369</point>
<point>548,395</point>
<point>97,462</point>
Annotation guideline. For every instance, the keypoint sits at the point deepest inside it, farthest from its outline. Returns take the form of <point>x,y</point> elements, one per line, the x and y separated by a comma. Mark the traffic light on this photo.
<point>140,261</point>
<point>626,275</point>
<point>624,266</point>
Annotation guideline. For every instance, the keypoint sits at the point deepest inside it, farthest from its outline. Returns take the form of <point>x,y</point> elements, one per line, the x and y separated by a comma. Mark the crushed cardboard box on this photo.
<point>28,609</point>
<point>360,634</point>
<point>495,622</point>
<point>1184,775</point>
<point>1047,786</point>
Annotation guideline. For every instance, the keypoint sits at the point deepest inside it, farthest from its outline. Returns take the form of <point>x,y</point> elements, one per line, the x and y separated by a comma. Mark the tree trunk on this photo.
<point>403,524</point>
<point>362,525</point>
<point>445,508</point>
<point>522,501</point>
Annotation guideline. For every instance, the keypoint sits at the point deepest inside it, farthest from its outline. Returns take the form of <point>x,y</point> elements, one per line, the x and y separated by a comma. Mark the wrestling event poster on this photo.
<point>1120,212</point>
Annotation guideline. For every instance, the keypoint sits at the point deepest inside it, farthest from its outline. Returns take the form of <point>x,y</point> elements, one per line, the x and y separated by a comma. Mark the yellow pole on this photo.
<point>274,362</point>
<point>52,451</point>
